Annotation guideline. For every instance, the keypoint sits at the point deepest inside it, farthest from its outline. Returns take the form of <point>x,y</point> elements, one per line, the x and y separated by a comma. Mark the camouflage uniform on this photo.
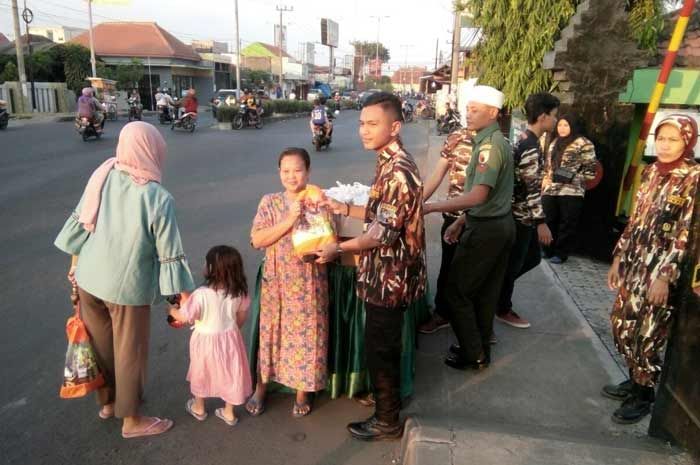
<point>563,202</point>
<point>457,151</point>
<point>392,275</point>
<point>652,246</point>
<point>527,212</point>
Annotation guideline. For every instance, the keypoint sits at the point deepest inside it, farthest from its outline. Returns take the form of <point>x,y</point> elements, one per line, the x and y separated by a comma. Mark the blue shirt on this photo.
<point>135,255</point>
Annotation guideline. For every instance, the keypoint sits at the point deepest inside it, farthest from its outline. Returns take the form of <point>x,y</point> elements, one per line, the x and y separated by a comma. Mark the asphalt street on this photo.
<point>217,179</point>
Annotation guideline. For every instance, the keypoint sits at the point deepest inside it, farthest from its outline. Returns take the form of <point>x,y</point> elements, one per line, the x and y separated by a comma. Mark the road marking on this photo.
<point>16,404</point>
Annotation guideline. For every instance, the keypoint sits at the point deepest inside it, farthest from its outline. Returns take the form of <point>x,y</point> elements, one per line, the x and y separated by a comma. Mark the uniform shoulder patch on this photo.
<point>386,212</point>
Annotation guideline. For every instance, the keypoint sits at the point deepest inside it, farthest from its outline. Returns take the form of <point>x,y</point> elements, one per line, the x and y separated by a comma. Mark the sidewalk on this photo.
<point>538,403</point>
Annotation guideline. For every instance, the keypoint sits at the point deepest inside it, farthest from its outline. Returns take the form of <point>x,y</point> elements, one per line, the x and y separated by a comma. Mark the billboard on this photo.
<point>329,32</point>
<point>310,52</point>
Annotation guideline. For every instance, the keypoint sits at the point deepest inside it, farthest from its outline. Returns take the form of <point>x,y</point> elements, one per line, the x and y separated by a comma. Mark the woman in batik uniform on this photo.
<point>648,260</point>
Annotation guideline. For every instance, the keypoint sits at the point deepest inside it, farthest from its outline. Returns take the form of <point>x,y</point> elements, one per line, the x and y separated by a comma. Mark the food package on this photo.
<point>355,194</point>
<point>313,229</point>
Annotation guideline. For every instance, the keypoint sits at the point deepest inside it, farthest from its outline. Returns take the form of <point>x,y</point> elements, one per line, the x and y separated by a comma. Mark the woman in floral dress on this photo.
<point>293,341</point>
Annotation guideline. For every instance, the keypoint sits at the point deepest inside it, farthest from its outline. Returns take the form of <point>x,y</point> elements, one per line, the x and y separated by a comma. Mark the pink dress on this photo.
<point>218,362</point>
<point>293,340</point>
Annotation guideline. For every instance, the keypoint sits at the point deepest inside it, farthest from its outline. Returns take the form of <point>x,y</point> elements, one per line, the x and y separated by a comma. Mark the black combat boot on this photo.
<point>636,406</point>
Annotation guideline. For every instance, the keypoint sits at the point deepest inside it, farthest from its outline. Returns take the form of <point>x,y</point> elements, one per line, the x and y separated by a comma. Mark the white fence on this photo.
<point>49,97</point>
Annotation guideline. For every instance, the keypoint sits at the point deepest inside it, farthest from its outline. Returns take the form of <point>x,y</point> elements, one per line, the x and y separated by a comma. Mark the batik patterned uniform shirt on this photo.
<point>457,151</point>
<point>527,189</point>
<point>394,273</point>
<point>579,157</point>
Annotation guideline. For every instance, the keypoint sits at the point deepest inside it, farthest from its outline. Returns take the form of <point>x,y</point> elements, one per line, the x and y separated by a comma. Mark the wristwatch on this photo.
<point>338,250</point>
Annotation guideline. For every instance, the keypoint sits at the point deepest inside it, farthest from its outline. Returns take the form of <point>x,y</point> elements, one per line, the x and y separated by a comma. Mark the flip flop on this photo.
<point>298,410</point>
<point>254,407</point>
<point>105,416</point>
<point>159,426</point>
<point>198,416</point>
<point>220,414</point>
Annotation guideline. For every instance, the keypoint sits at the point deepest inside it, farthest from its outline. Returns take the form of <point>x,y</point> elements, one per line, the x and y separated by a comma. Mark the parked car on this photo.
<point>314,94</point>
<point>348,95</point>
<point>223,97</point>
<point>362,98</point>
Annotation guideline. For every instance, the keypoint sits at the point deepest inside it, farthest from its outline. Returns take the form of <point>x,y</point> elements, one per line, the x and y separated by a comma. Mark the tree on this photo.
<point>9,73</point>
<point>76,66</point>
<point>383,83</point>
<point>129,75</point>
<point>255,77</point>
<point>369,50</point>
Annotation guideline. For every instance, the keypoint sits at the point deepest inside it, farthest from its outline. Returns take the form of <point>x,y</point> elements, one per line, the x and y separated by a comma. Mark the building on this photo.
<point>57,34</point>
<point>260,56</point>
<point>3,40</point>
<point>38,43</point>
<point>406,79</point>
<point>224,63</point>
<point>169,62</point>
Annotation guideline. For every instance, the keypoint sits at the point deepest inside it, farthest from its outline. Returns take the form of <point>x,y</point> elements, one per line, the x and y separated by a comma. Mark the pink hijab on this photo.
<point>140,152</point>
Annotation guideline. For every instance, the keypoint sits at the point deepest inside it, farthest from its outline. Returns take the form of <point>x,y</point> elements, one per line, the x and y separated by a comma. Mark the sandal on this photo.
<point>198,416</point>
<point>301,410</point>
<point>255,407</point>
<point>105,416</point>
<point>220,414</point>
<point>159,426</point>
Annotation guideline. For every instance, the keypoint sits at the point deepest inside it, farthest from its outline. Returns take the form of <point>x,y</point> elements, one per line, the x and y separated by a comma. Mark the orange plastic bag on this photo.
<point>313,229</point>
<point>81,375</point>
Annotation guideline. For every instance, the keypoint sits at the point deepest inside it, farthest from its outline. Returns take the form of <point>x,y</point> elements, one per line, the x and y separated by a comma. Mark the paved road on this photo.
<point>217,179</point>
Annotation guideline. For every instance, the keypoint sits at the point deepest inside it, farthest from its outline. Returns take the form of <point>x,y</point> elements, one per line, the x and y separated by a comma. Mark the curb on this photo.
<point>425,445</point>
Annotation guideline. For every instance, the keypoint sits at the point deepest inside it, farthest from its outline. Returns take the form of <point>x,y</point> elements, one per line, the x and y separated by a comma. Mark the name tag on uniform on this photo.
<point>386,213</point>
<point>676,200</point>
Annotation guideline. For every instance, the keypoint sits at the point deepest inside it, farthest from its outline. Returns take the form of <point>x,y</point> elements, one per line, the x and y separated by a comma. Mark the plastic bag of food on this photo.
<point>81,375</point>
<point>313,229</point>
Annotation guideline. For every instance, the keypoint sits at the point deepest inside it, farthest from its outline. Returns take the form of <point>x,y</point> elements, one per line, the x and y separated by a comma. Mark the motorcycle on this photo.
<point>188,122</point>
<point>245,118</point>
<point>110,108</point>
<point>86,128</point>
<point>450,122</point>
<point>135,112</point>
<point>425,110</point>
<point>4,115</point>
<point>166,114</point>
<point>320,139</point>
<point>407,110</point>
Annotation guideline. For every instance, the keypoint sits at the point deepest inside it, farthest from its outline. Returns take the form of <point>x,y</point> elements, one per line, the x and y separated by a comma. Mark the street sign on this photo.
<point>329,32</point>
<point>27,15</point>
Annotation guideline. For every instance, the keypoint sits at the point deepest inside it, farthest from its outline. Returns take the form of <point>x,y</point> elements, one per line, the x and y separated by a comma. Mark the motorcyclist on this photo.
<point>135,98</point>
<point>91,108</point>
<point>336,99</point>
<point>166,103</point>
<point>319,117</point>
<point>190,103</point>
<point>251,104</point>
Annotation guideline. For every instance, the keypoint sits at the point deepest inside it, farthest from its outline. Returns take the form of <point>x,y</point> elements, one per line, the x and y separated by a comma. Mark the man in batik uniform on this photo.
<point>530,227</point>
<point>392,271</point>
<point>647,263</point>
<point>453,161</point>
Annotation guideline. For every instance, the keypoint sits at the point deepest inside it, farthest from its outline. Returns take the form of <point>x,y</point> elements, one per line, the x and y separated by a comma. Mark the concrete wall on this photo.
<point>50,97</point>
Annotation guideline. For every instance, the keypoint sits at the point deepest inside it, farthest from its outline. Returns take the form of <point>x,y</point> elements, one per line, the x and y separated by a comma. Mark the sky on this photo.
<point>409,28</point>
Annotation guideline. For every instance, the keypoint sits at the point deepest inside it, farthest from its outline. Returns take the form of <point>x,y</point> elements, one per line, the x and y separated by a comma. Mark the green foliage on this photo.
<point>224,114</point>
<point>129,75</point>
<point>9,72</point>
<point>104,71</point>
<point>254,77</point>
<point>516,35</point>
<point>646,21</point>
<point>369,50</point>
<point>383,83</point>
<point>76,66</point>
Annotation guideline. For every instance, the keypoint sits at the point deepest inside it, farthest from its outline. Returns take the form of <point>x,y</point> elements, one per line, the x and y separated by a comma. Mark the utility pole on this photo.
<point>376,58</point>
<point>20,57</point>
<point>28,16</point>
<point>437,42</point>
<point>92,43</point>
<point>405,68</point>
<point>238,56</point>
<point>456,45</point>
<point>282,10</point>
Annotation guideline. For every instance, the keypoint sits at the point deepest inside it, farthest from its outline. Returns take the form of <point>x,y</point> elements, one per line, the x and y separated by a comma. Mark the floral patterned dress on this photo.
<point>293,345</point>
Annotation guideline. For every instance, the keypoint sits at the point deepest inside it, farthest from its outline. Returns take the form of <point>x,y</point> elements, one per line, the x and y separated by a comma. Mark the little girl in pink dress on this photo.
<point>218,361</point>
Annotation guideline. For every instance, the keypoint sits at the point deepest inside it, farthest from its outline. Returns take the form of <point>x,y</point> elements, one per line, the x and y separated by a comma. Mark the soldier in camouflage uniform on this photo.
<point>453,161</point>
<point>392,272</point>
<point>530,227</point>
<point>648,260</point>
<point>570,162</point>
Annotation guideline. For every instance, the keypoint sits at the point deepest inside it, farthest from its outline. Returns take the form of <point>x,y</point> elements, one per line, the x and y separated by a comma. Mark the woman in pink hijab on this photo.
<point>127,255</point>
